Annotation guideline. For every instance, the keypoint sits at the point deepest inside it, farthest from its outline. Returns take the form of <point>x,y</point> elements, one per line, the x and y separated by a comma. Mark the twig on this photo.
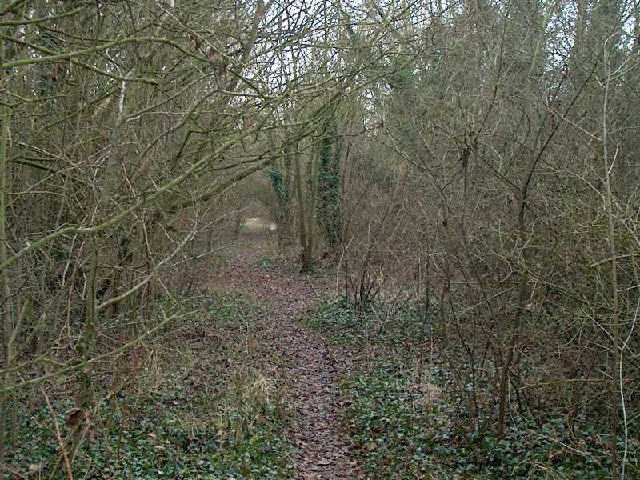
<point>61,444</point>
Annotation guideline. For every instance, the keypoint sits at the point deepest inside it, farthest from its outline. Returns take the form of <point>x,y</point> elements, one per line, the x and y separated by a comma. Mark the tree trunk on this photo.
<point>302,215</point>
<point>7,408</point>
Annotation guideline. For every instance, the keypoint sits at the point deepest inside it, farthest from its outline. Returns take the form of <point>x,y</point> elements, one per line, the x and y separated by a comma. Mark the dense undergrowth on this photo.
<point>407,420</point>
<point>199,408</point>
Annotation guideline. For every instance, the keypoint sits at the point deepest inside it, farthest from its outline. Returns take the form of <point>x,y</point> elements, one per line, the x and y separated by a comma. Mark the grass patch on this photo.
<point>156,439</point>
<point>407,421</point>
<point>201,408</point>
<point>398,330</point>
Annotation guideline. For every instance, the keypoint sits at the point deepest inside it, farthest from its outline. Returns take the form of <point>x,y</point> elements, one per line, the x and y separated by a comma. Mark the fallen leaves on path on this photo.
<point>311,369</point>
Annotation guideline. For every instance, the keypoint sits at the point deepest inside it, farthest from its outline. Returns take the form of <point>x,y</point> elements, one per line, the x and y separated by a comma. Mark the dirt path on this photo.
<point>311,369</point>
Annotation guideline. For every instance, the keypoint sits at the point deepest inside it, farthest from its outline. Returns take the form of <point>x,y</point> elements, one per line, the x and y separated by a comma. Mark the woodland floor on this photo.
<point>311,367</point>
<point>267,376</point>
<point>240,388</point>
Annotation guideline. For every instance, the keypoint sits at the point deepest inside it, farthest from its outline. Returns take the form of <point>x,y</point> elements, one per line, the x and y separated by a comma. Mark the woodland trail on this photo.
<point>310,371</point>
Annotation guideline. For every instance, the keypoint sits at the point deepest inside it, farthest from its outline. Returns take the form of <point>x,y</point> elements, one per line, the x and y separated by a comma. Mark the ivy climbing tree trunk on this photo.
<point>329,188</point>
<point>280,177</point>
<point>305,244</point>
